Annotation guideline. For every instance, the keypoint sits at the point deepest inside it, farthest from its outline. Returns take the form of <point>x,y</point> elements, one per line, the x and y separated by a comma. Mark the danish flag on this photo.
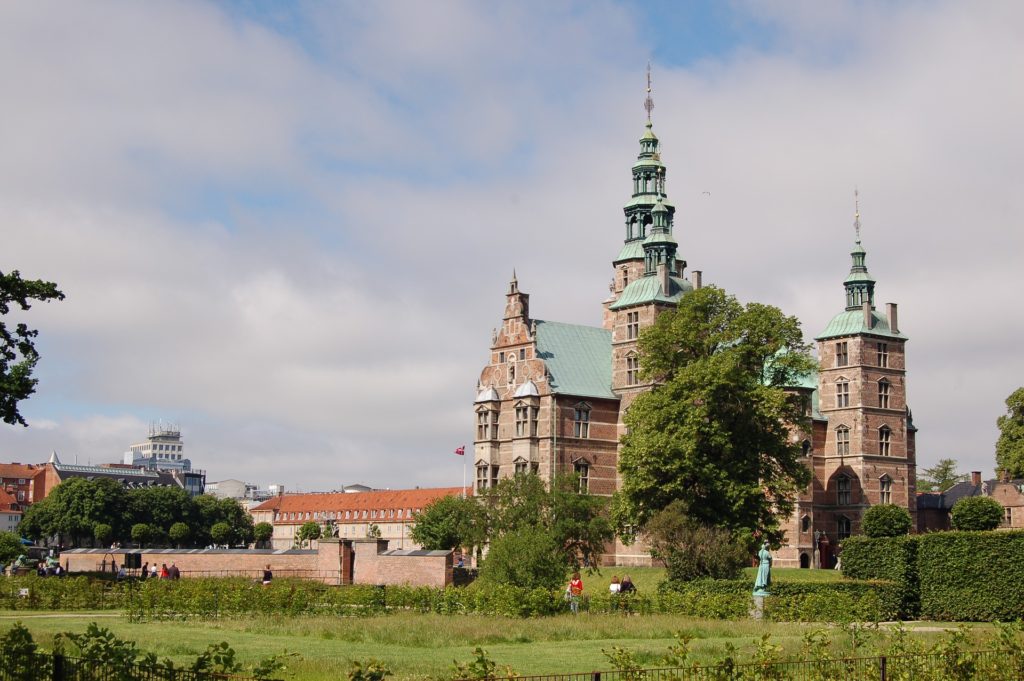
<point>461,451</point>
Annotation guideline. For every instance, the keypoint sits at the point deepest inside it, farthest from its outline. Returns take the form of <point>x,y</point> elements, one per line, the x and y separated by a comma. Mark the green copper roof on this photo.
<point>648,199</point>
<point>578,358</point>
<point>631,250</point>
<point>851,323</point>
<point>648,290</point>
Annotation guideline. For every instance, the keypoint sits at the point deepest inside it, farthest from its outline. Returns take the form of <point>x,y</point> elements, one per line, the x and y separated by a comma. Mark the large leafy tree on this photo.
<point>1010,445</point>
<point>715,432</point>
<point>161,507</point>
<point>448,523</point>
<point>940,477</point>
<point>18,355</point>
<point>74,508</point>
<point>213,511</point>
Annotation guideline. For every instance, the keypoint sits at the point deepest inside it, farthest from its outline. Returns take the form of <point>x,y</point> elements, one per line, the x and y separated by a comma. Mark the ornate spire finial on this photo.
<point>856,213</point>
<point>648,102</point>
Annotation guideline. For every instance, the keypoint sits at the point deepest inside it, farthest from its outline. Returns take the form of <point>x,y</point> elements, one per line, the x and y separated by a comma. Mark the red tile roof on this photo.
<point>7,502</point>
<point>357,501</point>
<point>19,470</point>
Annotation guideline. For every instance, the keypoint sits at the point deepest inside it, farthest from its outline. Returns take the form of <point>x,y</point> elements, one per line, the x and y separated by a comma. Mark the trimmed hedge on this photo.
<point>971,576</point>
<point>892,559</point>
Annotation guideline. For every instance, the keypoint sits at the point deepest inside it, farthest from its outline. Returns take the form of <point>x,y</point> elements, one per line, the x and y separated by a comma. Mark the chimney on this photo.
<point>976,478</point>
<point>891,313</point>
<point>663,278</point>
<point>868,318</point>
<point>695,278</point>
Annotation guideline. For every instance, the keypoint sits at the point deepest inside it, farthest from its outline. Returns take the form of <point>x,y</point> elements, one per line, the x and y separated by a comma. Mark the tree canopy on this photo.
<point>976,513</point>
<point>940,477</point>
<point>716,430</point>
<point>1010,445</point>
<point>450,522</point>
<point>18,355</point>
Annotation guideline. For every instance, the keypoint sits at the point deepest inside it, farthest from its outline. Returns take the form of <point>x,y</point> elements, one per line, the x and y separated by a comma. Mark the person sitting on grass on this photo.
<point>267,575</point>
<point>626,586</point>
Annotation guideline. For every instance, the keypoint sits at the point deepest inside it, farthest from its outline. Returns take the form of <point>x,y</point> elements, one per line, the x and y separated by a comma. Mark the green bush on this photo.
<point>528,557</point>
<point>892,559</point>
<point>971,576</point>
<point>976,514</point>
<point>886,520</point>
<point>694,550</point>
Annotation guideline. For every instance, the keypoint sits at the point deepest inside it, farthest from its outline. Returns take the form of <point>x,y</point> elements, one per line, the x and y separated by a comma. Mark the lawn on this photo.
<point>417,646</point>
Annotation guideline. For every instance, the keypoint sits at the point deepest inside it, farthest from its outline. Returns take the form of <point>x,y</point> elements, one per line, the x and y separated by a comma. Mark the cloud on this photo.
<point>295,242</point>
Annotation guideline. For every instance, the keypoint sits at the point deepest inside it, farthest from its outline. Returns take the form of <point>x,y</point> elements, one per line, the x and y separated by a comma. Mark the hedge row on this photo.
<point>959,576</point>
<point>60,593</point>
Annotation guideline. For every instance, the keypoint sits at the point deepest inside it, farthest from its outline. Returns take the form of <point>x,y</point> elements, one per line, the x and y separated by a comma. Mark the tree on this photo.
<point>977,513</point>
<point>102,532</point>
<point>212,511</point>
<point>262,532</point>
<point>143,534</point>
<point>309,531</point>
<point>1010,445</point>
<point>447,523</point>
<point>529,556</point>
<point>886,520</point>
<point>76,506</point>
<point>691,549</point>
<point>373,531</point>
<point>162,507</point>
<point>221,533</point>
<point>179,533</point>
<point>18,355</point>
<point>715,432</point>
<point>10,548</point>
<point>940,477</point>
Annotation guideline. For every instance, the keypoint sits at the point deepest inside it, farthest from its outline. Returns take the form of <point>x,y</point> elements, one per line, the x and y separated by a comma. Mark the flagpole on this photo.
<point>463,476</point>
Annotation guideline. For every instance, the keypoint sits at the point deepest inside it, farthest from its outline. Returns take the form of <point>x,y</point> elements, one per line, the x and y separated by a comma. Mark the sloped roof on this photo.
<point>18,470</point>
<point>851,323</point>
<point>648,290</point>
<point>370,501</point>
<point>578,359</point>
<point>7,502</point>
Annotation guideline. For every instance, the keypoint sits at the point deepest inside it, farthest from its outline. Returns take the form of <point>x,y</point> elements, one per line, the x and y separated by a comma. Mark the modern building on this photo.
<point>162,450</point>
<point>242,491</point>
<point>349,516</point>
<point>552,396</point>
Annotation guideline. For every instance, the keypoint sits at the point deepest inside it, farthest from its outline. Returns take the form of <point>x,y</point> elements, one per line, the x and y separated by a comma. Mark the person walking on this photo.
<point>575,592</point>
<point>145,570</point>
<point>174,572</point>
<point>164,573</point>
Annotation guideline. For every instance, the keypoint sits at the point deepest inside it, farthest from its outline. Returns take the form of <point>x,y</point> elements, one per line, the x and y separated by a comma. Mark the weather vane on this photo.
<point>856,212</point>
<point>648,102</point>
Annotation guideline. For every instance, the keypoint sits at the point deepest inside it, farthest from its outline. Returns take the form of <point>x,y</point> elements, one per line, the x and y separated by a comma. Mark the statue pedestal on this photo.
<point>758,610</point>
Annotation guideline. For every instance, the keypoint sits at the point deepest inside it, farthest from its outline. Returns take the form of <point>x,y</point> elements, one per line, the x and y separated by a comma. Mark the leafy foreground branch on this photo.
<point>121,658</point>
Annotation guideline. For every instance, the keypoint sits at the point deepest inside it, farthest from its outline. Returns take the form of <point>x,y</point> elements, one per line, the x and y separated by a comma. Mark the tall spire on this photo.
<point>860,287</point>
<point>648,102</point>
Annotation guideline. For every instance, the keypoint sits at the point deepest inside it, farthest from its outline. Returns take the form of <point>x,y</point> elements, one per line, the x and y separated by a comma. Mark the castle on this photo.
<point>553,395</point>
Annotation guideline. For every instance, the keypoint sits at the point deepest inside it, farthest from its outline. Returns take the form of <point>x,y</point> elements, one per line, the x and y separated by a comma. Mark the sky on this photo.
<point>289,227</point>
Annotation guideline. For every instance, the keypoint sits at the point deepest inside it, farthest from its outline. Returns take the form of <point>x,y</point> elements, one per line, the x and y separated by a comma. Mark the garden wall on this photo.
<point>334,561</point>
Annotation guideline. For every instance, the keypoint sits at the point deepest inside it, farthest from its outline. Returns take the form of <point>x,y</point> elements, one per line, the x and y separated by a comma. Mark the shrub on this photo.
<point>262,532</point>
<point>886,520</point>
<point>10,547</point>
<point>221,533</point>
<point>977,513</point>
<point>102,532</point>
<point>528,557</point>
<point>692,550</point>
<point>893,559</point>
<point>971,576</point>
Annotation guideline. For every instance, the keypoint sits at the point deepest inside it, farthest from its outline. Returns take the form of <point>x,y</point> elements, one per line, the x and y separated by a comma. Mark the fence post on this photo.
<point>596,676</point>
<point>58,667</point>
<point>881,667</point>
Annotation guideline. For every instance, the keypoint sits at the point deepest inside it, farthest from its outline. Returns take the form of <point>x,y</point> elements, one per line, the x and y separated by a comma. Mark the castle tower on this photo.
<point>868,455</point>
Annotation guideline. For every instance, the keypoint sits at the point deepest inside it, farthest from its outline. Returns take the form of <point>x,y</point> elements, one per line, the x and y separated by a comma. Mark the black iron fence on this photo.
<point>55,667</point>
<point>987,665</point>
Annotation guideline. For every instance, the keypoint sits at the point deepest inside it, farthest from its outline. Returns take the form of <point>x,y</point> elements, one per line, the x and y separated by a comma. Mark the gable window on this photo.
<point>522,466</point>
<point>883,354</point>
<point>632,370</point>
<point>842,354</point>
<point>481,477</point>
<point>842,441</point>
<point>632,325</point>
<point>582,469</point>
<point>843,487</point>
<point>883,394</point>
<point>885,490</point>
<point>884,438</point>
<point>842,394</point>
<point>581,421</point>
<point>522,420</point>
<point>843,527</point>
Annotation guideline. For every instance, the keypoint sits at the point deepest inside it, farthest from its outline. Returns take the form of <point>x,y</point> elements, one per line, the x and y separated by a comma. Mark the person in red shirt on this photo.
<point>575,592</point>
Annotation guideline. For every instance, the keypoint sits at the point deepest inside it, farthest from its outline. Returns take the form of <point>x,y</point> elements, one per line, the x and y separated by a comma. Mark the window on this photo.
<point>632,325</point>
<point>522,353</point>
<point>534,411</point>
<point>625,270</point>
<point>21,481</point>
<point>883,354</point>
<point>494,476</point>
<point>805,524</point>
<point>522,466</point>
<point>884,437</point>
<point>842,441</point>
<point>582,469</point>
<point>842,354</point>
<point>581,421</point>
<point>883,394</point>
<point>843,490</point>
<point>501,357</point>
<point>522,420</point>
<point>843,527</point>
<point>632,369</point>
<point>805,447</point>
<point>885,490</point>
<point>842,394</point>
<point>1008,517</point>
<point>487,424</point>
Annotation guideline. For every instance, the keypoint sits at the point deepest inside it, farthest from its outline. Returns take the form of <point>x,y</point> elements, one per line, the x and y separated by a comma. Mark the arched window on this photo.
<point>885,490</point>
<point>842,441</point>
<point>884,440</point>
